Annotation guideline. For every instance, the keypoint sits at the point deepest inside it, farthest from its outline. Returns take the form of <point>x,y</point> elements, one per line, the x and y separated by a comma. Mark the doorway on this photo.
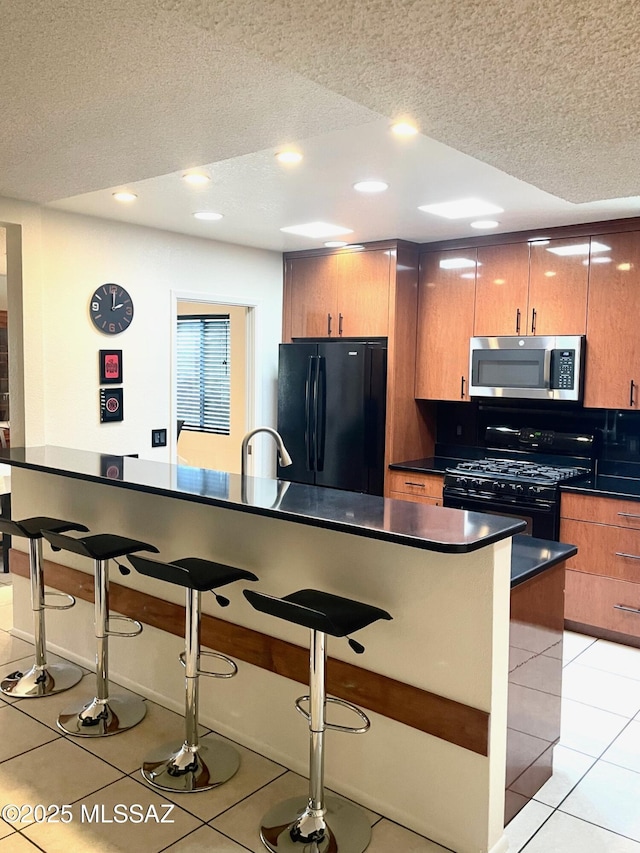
<point>210,442</point>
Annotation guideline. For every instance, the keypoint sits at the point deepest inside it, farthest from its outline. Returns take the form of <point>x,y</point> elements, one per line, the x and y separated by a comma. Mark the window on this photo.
<point>204,373</point>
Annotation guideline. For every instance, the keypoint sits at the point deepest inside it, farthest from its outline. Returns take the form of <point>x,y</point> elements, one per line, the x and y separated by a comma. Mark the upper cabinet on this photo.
<point>537,288</point>
<point>502,290</point>
<point>612,373</point>
<point>445,324</point>
<point>558,283</point>
<point>338,295</point>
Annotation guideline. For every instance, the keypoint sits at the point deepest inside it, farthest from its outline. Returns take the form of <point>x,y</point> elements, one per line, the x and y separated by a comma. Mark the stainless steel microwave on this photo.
<point>544,367</point>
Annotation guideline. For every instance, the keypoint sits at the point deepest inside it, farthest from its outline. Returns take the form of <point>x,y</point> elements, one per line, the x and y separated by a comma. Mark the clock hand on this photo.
<point>115,307</point>
<point>113,302</point>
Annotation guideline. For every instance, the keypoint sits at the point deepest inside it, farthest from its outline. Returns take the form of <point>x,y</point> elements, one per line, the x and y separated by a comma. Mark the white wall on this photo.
<point>65,257</point>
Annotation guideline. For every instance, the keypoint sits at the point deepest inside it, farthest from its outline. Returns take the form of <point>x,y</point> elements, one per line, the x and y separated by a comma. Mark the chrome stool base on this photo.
<point>99,718</point>
<point>291,826</point>
<point>182,768</point>
<point>41,680</point>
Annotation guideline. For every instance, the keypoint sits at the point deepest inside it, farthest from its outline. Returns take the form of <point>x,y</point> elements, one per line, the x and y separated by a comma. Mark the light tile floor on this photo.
<point>588,806</point>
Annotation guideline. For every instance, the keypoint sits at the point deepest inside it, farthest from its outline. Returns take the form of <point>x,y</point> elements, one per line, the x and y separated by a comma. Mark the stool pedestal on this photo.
<point>194,764</point>
<point>43,678</point>
<point>320,824</point>
<point>103,715</point>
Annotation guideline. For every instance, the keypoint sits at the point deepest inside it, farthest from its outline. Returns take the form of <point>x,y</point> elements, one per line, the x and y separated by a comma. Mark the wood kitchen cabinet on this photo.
<point>415,486</point>
<point>445,324</point>
<point>612,372</point>
<point>530,289</point>
<point>603,578</point>
<point>502,290</point>
<point>338,295</point>
<point>558,285</point>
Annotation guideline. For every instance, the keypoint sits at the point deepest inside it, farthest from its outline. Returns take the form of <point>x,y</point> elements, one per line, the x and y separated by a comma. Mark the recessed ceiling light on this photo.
<point>336,244</point>
<point>468,275</point>
<point>355,246</point>
<point>461,209</point>
<point>579,249</point>
<point>624,267</point>
<point>456,263</point>
<point>207,214</point>
<point>196,178</point>
<point>601,260</point>
<point>125,195</point>
<point>317,229</point>
<point>404,128</point>
<point>484,223</point>
<point>371,186</point>
<point>289,156</point>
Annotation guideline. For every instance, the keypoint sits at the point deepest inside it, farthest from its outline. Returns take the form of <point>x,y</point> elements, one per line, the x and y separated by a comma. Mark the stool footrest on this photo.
<point>353,730</point>
<point>69,598</point>
<point>137,630</point>
<point>232,664</point>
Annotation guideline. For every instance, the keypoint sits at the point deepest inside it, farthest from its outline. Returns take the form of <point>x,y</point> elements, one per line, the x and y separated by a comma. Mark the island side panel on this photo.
<point>449,636</point>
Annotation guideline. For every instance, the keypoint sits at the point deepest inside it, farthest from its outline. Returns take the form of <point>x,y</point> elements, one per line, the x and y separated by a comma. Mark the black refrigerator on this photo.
<point>331,412</point>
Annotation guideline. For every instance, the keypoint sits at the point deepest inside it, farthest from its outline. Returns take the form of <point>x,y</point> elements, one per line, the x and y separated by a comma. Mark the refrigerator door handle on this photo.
<point>320,412</point>
<point>309,430</point>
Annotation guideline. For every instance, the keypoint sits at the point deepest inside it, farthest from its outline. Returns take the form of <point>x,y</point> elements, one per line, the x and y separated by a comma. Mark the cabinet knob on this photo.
<point>534,317</point>
<point>329,319</point>
<point>462,381</point>
<point>631,387</point>
<point>517,321</point>
<point>340,324</point>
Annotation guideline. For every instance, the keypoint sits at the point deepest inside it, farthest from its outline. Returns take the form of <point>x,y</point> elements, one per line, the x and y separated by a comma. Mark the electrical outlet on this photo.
<point>158,438</point>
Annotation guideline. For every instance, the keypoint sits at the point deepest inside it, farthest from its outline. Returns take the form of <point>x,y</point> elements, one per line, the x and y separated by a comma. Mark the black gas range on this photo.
<point>521,476</point>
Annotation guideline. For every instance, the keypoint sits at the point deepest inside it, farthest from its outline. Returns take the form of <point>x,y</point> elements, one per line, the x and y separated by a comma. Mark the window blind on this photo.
<point>204,386</point>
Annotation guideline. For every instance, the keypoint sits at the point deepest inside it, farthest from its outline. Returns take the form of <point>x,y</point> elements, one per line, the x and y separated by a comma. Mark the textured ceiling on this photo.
<point>99,95</point>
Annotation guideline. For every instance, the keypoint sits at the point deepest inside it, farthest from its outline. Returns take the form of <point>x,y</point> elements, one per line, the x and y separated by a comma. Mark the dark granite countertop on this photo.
<point>419,526</point>
<point>606,486</point>
<point>530,557</point>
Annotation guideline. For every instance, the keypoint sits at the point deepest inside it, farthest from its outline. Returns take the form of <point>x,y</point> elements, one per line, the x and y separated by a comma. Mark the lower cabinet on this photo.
<point>413,486</point>
<point>603,579</point>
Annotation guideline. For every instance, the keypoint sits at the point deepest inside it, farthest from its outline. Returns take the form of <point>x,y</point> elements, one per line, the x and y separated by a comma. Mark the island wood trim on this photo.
<point>436,715</point>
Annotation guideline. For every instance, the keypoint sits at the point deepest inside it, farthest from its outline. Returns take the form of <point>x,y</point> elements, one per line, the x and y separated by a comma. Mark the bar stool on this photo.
<point>193,765</point>
<point>43,679</point>
<point>319,824</point>
<point>104,714</point>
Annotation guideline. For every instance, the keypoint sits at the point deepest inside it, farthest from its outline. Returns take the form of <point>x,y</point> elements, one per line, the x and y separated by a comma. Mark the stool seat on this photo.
<point>191,572</point>
<point>101,546</point>
<point>317,610</point>
<point>31,528</point>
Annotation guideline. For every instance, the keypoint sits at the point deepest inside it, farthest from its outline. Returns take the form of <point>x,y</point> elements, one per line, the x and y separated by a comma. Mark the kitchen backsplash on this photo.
<point>617,432</point>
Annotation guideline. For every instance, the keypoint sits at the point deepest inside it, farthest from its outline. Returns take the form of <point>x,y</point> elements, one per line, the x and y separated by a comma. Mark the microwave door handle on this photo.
<point>547,370</point>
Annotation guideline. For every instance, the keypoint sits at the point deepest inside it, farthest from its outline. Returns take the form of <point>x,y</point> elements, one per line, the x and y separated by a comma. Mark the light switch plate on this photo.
<point>158,438</point>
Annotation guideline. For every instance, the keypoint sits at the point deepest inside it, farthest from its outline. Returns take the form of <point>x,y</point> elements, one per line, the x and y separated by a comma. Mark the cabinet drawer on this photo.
<point>412,483</point>
<point>613,552</point>
<point>595,601</point>
<point>419,499</point>
<point>622,513</point>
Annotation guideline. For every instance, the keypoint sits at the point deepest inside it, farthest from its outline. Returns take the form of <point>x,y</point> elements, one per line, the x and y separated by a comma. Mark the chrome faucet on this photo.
<point>283,454</point>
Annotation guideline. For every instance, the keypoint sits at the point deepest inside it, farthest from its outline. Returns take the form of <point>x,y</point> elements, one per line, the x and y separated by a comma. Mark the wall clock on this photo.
<point>111,309</point>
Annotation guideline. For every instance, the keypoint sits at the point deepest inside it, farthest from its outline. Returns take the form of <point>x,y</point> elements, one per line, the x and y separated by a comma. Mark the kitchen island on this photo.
<point>434,680</point>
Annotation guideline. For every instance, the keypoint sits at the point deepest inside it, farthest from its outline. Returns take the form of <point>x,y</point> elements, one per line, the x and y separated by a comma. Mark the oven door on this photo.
<point>542,519</point>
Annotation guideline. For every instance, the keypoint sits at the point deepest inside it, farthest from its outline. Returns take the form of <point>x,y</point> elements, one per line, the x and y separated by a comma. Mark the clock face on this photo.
<point>111,309</point>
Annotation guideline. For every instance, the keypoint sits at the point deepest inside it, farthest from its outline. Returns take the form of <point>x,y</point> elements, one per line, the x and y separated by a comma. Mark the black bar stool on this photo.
<point>193,765</point>
<point>325,825</point>
<point>104,714</point>
<point>42,679</point>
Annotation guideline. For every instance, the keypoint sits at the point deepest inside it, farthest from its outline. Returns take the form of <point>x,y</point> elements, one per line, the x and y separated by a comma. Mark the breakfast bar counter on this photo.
<point>433,680</point>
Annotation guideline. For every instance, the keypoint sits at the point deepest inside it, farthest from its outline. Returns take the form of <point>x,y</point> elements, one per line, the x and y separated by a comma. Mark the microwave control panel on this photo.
<point>563,369</point>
